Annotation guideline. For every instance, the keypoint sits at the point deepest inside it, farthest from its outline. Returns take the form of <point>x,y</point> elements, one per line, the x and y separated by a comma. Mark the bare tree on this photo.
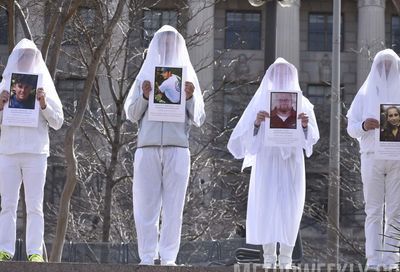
<point>72,130</point>
<point>60,17</point>
<point>396,3</point>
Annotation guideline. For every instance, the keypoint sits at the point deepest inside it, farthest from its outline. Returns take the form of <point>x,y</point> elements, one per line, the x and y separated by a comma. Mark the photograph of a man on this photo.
<point>390,122</point>
<point>168,85</point>
<point>23,91</point>
<point>283,110</point>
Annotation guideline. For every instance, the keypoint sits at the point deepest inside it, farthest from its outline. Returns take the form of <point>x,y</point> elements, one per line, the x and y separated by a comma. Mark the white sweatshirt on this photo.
<point>34,140</point>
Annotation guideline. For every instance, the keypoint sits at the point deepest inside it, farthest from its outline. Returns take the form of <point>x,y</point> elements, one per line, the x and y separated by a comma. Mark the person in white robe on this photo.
<point>277,181</point>
<point>24,152</point>
<point>162,157</point>
<point>380,178</point>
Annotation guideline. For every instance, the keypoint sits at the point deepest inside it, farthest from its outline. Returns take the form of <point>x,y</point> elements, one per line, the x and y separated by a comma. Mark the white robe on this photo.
<point>277,182</point>
<point>277,191</point>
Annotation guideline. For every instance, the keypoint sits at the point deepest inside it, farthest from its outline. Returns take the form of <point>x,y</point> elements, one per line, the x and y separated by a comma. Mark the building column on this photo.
<point>371,35</point>
<point>288,31</point>
<point>201,28</point>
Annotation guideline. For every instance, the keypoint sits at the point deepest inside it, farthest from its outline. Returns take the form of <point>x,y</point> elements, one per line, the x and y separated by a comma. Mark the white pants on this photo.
<point>160,181</point>
<point>31,170</point>
<point>381,186</point>
<point>285,254</point>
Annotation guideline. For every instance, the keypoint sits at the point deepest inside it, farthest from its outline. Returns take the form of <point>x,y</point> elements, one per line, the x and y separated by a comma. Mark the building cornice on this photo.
<point>366,3</point>
<point>290,2</point>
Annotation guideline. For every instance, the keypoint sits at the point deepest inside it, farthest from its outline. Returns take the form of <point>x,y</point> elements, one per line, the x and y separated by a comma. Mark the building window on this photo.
<point>319,95</point>
<point>243,30</point>
<point>395,42</point>
<point>154,20</point>
<point>320,27</point>
<point>3,26</point>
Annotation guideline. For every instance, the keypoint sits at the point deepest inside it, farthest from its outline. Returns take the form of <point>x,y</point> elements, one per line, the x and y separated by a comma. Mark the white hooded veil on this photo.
<point>27,58</point>
<point>281,75</point>
<point>168,48</point>
<point>381,86</point>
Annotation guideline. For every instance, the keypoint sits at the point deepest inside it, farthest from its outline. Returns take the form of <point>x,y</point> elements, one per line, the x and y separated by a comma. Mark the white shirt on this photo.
<point>34,140</point>
<point>171,88</point>
<point>354,125</point>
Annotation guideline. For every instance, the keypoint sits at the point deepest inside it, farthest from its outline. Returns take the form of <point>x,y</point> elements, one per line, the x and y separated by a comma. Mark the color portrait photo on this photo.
<point>23,91</point>
<point>168,85</point>
<point>283,111</point>
<point>389,123</point>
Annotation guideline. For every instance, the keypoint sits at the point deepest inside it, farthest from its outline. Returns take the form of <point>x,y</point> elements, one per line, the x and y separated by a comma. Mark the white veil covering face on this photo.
<point>168,48</point>
<point>27,58</point>
<point>381,86</point>
<point>280,76</point>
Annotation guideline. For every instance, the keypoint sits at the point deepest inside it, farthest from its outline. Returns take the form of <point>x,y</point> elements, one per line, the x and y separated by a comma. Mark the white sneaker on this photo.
<point>146,262</point>
<point>373,267</point>
<point>390,267</point>
<point>168,263</point>
<point>285,266</point>
<point>269,266</point>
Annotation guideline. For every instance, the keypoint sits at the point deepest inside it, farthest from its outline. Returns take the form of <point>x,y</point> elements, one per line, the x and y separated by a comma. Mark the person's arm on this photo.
<point>190,100</point>
<point>4,97</point>
<point>51,110</point>
<point>261,115</point>
<point>304,123</point>
<point>355,122</point>
<point>138,104</point>
<point>356,126</point>
<point>255,139</point>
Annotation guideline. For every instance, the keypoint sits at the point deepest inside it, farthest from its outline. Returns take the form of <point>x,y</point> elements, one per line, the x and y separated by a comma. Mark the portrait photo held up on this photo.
<point>22,108</point>
<point>168,85</point>
<point>283,110</point>
<point>389,123</point>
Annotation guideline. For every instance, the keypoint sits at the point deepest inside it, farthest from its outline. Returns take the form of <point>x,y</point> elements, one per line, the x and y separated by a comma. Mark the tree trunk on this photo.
<point>11,25</point>
<point>111,183</point>
<point>24,24</point>
<point>110,175</point>
<point>56,13</point>
<point>68,9</point>
<point>62,220</point>
<point>69,140</point>
<point>396,4</point>
<point>107,211</point>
